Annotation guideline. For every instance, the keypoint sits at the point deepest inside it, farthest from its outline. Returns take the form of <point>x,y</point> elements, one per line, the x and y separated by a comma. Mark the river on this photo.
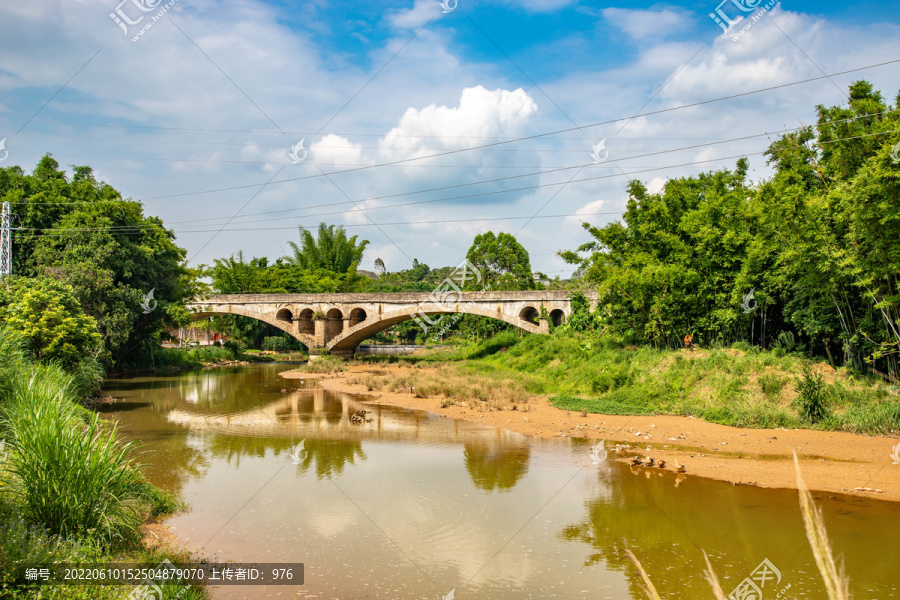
<point>413,506</point>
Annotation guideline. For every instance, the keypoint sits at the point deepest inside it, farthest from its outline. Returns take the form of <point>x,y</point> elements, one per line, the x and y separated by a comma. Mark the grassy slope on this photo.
<point>740,387</point>
<point>68,491</point>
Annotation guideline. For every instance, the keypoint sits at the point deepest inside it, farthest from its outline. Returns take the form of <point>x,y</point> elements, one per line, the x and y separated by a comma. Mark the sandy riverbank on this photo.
<point>832,461</point>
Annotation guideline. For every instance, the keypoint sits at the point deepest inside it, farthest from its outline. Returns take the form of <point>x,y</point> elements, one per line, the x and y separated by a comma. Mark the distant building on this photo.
<point>540,278</point>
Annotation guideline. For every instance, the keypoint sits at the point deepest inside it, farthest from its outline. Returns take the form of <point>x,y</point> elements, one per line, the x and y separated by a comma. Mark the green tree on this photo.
<point>817,242</point>
<point>673,267</point>
<point>47,318</point>
<point>85,234</point>
<point>503,262</point>
<point>330,251</point>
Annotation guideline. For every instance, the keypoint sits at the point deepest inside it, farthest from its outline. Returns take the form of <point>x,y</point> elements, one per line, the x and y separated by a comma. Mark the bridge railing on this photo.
<point>386,297</point>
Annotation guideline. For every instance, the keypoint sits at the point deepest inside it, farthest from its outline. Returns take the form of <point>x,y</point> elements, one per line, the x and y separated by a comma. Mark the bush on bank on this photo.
<point>68,489</point>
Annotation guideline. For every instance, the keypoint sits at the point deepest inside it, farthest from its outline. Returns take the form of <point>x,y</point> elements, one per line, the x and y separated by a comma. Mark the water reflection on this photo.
<point>496,467</point>
<point>412,505</point>
<point>738,526</point>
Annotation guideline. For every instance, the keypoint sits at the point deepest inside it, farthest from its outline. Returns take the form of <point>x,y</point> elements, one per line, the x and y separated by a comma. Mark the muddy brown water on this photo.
<point>414,506</point>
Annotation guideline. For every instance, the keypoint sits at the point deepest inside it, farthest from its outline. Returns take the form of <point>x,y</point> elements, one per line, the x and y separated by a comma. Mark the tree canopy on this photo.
<point>330,251</point>
<point>83,233</point>
<point>817,244</point>
<point>503,262</point>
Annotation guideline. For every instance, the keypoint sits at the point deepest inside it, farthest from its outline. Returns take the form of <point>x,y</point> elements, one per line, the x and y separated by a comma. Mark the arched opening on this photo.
<point>334,324</point>
<point>530,314</point>
<point>557,317</point>
<point>284,315</point>
<point>305,324</point>
<point>357,316</point>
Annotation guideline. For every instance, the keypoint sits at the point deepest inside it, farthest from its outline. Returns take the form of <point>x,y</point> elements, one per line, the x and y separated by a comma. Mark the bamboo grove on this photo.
<point>808,257</point>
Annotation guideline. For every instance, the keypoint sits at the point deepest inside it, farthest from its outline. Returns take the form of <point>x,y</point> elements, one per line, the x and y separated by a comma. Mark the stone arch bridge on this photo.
<point>337,323</point>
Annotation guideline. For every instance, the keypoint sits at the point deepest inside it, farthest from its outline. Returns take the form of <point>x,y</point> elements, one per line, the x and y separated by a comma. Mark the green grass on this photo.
<point>68,490</point>
<point>324,364</point>
<point>741,386</point>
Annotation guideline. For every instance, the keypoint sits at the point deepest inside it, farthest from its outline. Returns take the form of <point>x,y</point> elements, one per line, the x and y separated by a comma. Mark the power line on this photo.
<point>212,130</point>
<point>531,137</point>
<point>532,174</point>
<point>141,228</point>
<point>138,230</point>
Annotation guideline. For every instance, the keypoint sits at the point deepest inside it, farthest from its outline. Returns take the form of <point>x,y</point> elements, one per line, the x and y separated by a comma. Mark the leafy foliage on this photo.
<point>330,251</point>
<point>86,235</point>
<point>503,262</point>
<point>47,317</point>
<point>811,399</point>
<point>817,243</point>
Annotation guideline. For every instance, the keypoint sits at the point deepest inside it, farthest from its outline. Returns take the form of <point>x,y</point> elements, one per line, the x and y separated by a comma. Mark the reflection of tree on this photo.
<point>170,461</point>
<point>496,468</point>
<point>330,456</point>
<point>667,527</point>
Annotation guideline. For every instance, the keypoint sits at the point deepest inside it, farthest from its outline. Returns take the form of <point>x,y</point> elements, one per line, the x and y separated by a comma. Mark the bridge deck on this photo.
<point>387,297</point>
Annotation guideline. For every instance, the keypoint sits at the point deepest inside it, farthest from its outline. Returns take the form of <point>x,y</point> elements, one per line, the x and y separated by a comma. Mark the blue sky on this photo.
<point>205,106</point>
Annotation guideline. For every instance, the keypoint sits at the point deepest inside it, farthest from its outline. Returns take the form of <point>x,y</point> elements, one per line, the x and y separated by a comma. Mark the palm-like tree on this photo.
<point>331,250</point>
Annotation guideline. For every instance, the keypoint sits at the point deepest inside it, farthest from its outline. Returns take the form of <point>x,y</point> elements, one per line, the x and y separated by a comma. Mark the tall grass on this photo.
<point>72,477</point>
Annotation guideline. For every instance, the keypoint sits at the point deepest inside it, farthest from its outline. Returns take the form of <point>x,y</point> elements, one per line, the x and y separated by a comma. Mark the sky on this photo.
<point>418,125</point>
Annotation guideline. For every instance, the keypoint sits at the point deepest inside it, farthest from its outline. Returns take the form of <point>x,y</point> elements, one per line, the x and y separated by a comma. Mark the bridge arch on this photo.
<point>306,324</point>
<point>286,326</point>
<point>350,339</point>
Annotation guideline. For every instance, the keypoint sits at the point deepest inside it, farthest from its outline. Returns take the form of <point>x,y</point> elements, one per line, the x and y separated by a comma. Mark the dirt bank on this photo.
<point>832,461</point>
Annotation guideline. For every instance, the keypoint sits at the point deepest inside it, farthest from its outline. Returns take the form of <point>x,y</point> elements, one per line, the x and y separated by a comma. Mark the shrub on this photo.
<point>811,395</point>
<point>234,348</point>
<point>504,339</point>
<point>276,344</point>
<point>45,315</point>
<point>786,342</point>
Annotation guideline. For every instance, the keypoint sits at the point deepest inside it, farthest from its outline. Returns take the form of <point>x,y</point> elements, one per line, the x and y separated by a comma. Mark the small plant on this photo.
<point>811,395</point>
<point>275,344</point>
<point>786,342</point>
<point>234,348</point>
<point>771,384</point>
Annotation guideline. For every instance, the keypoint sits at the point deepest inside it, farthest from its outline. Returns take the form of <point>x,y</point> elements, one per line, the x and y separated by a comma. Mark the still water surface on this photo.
<point>412,505</point>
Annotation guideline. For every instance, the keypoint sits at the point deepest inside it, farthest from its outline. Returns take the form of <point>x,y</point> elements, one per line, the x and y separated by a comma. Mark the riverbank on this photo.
<point>832,461</point>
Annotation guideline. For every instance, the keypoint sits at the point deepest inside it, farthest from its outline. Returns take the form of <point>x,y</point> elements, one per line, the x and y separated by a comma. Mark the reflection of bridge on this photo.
<point>317,413</point>
<point>337,323</point>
